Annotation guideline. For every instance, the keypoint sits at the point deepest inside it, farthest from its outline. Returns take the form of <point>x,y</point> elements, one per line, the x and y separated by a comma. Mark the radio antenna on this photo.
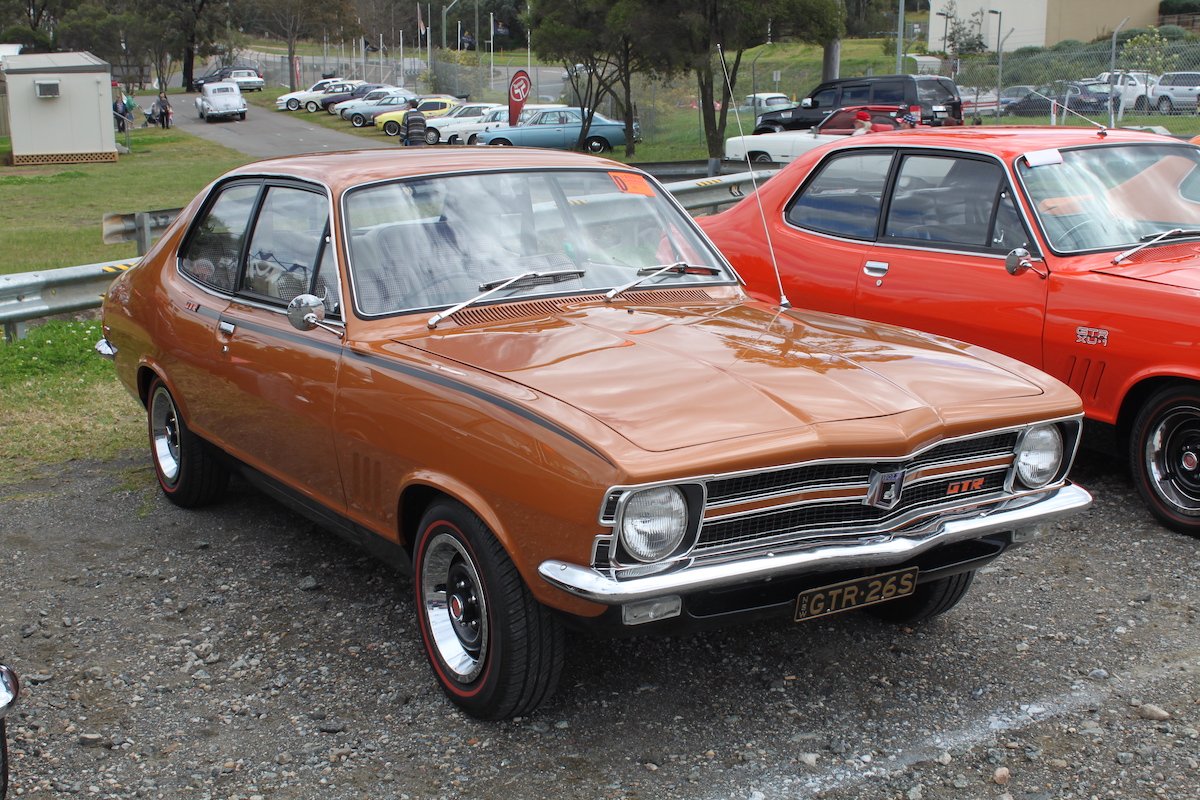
<point>762,215</point>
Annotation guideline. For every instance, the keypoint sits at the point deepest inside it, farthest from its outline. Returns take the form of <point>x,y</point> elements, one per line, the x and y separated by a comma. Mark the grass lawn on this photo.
<point>50,216</point>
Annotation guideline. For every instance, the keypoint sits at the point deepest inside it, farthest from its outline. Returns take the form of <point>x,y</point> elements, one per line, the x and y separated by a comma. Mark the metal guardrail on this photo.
<point>33,295</point>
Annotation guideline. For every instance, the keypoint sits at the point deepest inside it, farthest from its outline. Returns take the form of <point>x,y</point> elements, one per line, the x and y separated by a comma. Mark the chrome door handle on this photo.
<point>226,328</point>
<point>876,269</point>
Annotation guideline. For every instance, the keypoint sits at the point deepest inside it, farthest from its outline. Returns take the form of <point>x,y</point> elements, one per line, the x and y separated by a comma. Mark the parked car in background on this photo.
<point>496,119</point>
<point>761,102</point>
<point>785,146</point>
<point>328,100</point>
<point>10,690</point>
<point>444,128</point>
<point>1132,90</point>
<point>220,100</point>
<point>430,106</point>
<point>247,80</point>
<point>933,98</point>
<point>559,128</point>
<point>483,365</point>
<point>1074,250</point>
<point>1077,96</point>
<point>345,108</point>
<point>294,101</point>
<point>1176,92</point>
<point>365,114</point>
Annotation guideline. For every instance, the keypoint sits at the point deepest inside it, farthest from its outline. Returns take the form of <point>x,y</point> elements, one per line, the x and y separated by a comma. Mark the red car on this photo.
<point>1075,250</point>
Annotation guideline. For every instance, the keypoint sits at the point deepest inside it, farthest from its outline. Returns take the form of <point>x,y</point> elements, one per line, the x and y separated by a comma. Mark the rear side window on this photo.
<point>889,92</point>
<point>214,245</point>
<point>844,197</point>
<point>856,94</point>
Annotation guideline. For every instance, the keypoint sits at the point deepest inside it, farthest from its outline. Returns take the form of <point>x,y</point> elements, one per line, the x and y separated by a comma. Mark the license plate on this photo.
<point>857,593</point>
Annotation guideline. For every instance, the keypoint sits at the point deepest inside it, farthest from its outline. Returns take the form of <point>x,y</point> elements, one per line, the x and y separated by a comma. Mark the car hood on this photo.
<point>1174,265</point>
<point>666,378</point>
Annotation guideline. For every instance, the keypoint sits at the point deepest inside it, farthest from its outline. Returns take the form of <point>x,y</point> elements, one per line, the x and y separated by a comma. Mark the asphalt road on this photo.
<point>266,133</point>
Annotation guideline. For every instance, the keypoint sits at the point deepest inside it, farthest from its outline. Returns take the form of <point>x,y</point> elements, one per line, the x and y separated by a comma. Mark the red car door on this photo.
<point>938,262</point>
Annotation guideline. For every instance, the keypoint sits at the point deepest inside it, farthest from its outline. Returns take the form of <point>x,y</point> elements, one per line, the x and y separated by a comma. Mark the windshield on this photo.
<point>1100,198</point>
<point>434,242</point>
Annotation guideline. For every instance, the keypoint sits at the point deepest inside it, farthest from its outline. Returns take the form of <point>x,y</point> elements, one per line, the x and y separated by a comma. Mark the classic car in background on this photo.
<point>784,146</point>
<point>497,118</point>
<point>430,106</point>
<point>559,128</point>
<point>220,100</point>
<point>527,377</point>
<point>247,80</point>
<point>363,114</point>
<point>294,101</point>
<point>443,128</point>
<point>1074,250</point>
<point>10,689</point>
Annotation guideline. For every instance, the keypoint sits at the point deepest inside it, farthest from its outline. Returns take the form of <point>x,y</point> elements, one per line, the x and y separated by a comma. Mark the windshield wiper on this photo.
<point>491,287</point>
<point>646,273</point>
<point>1155,238</point>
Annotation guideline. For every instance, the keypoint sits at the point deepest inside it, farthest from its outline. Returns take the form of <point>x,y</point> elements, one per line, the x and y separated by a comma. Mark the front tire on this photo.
<point>432,136</point>
<point>1164,455</point>
<point>189,471</point>
<point>496,651</point>
<point>929,600</point>
<point>293,104</point>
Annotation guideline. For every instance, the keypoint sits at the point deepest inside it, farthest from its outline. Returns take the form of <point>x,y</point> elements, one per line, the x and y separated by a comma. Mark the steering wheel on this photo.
<point>1077,240</point>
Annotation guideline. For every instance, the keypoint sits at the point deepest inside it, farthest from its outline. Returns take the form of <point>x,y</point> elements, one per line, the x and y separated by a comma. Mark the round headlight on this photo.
<point>654,522</point>
<point>1039,455</point>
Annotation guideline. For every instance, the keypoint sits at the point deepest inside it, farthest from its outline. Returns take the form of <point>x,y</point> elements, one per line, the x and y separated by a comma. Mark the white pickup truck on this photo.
<point>1132,90</point>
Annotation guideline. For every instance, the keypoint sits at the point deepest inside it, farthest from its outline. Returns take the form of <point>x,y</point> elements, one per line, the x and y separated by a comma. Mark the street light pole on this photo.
<point>999,60</point>
<point>999,26</point>
<point>945,27</point>
<point>445,11</point>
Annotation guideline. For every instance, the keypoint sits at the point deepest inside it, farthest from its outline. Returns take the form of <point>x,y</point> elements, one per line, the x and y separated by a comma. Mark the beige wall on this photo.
<point>1041,23</point>
<point>1086,20</point>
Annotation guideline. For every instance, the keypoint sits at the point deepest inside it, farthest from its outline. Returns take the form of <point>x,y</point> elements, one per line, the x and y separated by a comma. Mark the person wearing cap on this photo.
<point>414,126</point>
<point>862,123</point>
<point>909,120</point>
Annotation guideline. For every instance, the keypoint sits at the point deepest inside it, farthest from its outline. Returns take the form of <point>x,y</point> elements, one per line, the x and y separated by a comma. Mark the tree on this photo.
<point>293,20</point>
<point>964,36</point>
<point>1147,52</point>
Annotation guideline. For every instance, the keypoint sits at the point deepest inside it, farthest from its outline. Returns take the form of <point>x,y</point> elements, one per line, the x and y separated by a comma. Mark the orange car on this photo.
<point>1074,250</point>
<point>526,376</point>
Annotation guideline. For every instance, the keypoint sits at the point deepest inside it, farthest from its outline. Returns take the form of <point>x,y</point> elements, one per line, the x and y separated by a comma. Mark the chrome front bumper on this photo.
<point>1021,515</point>
<point>106,349</point>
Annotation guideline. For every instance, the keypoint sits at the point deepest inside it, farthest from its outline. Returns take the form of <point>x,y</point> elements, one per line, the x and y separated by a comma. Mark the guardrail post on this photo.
<point>141,221</point>
<point>14,331</point>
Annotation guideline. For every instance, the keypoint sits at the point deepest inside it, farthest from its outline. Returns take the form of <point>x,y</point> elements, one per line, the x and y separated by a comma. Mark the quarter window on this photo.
<point>844,197</point>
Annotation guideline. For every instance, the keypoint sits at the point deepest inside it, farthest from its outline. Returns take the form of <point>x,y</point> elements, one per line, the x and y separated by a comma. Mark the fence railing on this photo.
<point>32,295</point>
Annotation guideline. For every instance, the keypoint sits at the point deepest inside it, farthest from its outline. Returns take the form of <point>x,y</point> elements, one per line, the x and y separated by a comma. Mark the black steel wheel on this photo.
<point>495,650</point>
<point>1164,456</point>
<point>189,470</point>
<point>929,600</point>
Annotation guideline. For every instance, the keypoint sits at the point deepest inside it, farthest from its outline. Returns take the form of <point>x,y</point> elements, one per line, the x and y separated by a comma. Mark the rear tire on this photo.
<point>597,144</point>
<point>358,120</point>
<point>501,142</point>
<point>312,106</point>
<point>1164,105</point>
<point>391,128</point>
<point>761,158</point>
<point>495,650</point>
<point>929,600</point>
<point>189,469</point>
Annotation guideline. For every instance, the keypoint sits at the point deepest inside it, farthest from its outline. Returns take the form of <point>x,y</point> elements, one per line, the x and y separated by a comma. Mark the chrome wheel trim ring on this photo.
<point>164,435</point>
<point>455,608</point>
<point>1172,458</point>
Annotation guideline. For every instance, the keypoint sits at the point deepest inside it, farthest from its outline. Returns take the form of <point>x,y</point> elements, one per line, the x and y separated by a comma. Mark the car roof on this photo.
<point>346,169</point>
<point>1008,142</point>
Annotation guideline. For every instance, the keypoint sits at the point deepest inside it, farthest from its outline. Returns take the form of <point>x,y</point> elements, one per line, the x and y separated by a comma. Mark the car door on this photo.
<point>938,263</point>
<point>277,387</point>
<point>828,226</point>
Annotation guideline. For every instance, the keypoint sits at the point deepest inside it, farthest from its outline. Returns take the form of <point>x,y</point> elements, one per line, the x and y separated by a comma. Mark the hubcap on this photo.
<point>1173,459</point>
<point>164,435</point>
<point>455,607</point>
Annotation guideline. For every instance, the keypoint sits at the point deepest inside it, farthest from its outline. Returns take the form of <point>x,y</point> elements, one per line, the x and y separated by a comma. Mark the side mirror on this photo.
<point>307,311</point>
<point>808,102</point>
<point>1018,261</point>
<point>10,689</point>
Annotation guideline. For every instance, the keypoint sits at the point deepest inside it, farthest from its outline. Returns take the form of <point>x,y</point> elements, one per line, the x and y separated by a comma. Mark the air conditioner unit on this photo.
<point>46,88</point>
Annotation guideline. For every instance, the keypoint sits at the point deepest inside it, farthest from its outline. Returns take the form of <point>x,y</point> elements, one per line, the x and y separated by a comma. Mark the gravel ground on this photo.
<point>240,652</point>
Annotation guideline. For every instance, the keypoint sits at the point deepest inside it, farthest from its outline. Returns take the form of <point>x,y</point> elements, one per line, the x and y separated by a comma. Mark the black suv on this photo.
<point>937,97</point>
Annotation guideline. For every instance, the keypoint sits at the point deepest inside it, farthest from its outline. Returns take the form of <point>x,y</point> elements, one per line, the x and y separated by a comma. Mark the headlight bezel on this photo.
<point>692,495</point>
<point>1020,477</point>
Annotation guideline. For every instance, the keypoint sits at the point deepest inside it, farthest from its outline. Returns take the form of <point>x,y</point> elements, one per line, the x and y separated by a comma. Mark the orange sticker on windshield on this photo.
<point>630,183</point>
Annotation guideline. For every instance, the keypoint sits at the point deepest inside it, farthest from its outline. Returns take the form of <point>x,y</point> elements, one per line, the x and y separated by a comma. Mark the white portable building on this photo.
<point>59,108</point>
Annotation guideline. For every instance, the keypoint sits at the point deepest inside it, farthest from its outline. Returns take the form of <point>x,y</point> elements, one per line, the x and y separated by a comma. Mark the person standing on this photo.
<point>163,110</point>
<point>119,114</point>
<point>414,126</point>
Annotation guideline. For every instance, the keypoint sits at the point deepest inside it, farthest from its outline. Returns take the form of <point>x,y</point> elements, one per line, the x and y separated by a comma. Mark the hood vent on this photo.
<point>480,315</point>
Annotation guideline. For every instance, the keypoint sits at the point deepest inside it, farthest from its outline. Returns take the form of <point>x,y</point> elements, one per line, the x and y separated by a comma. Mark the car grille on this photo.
<point>809,505</point>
